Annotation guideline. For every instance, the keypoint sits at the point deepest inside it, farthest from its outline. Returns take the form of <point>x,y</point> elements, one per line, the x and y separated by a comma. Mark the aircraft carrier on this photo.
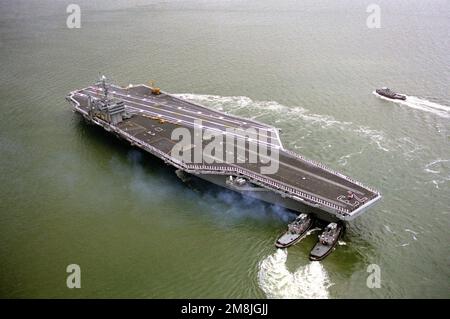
<point>147,117</point>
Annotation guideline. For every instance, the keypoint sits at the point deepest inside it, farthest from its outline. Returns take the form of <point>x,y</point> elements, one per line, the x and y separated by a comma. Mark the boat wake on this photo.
<point>309,281</point>
<point>421,104</point>
<point>246,107</point>
<point>233,104</point>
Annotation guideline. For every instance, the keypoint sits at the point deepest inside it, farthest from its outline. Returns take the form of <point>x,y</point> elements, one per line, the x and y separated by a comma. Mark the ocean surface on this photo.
<point>71,194</point>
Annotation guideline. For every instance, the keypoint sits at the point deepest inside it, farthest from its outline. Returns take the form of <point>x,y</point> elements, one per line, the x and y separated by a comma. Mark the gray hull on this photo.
<point>147,121</point>
<point>320,251</point>
<point>270,197</point>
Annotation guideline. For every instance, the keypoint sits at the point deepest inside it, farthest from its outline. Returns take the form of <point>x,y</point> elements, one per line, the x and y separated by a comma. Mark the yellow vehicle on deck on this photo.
<point>155,90</point>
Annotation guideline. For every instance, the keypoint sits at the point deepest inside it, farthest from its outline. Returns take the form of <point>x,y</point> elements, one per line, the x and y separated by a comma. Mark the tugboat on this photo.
<point>327,241</point>
<point>386,92</point>
<point>296,230</point>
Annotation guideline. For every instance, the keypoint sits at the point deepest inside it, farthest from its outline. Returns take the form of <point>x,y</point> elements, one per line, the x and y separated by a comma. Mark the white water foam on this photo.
<point>413,233</point>
<point>430,167</point>
<point>233,103</point>
<point>421,104</point>
<point>388,229</point>
<point>440,169</point>
<point>343,160</point>
<point>262,108</point>
<point>310,281</point>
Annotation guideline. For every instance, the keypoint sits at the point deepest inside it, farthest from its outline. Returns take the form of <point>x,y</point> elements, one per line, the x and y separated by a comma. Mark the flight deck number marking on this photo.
<point>357,200</point>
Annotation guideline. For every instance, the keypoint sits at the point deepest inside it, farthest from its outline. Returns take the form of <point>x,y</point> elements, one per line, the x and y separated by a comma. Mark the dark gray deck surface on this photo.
<point>306,176</point>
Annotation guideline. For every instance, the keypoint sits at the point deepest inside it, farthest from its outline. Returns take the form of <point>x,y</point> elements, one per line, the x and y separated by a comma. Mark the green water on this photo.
<point>71,194</point>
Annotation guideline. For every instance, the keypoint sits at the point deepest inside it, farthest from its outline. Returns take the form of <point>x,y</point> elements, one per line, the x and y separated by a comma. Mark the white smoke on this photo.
<point>239,207</point>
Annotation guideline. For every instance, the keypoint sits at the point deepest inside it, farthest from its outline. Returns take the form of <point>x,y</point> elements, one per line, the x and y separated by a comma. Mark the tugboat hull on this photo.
<point>322,250</point>
<point>291,237</point>
<point>287,240</point>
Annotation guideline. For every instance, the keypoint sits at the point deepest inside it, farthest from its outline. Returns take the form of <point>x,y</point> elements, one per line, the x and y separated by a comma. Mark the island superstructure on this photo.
<point>145,116</point>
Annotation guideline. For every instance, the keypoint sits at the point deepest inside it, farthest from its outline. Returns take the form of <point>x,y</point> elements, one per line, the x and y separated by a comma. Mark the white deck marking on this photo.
<point>234,120</point>
<point>192,117</point>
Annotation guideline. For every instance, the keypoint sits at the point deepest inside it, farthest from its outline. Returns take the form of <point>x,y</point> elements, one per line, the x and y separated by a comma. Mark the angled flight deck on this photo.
<point>147,117</point>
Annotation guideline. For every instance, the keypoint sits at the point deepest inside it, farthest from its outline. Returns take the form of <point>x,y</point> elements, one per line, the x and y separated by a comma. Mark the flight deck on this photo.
<point>147,118</point>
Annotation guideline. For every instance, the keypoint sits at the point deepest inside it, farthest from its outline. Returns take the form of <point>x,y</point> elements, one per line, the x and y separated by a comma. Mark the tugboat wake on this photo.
<point>309,281</point>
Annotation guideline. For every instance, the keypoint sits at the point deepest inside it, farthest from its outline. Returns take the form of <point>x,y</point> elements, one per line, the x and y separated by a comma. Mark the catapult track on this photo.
<point>309,184</point>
